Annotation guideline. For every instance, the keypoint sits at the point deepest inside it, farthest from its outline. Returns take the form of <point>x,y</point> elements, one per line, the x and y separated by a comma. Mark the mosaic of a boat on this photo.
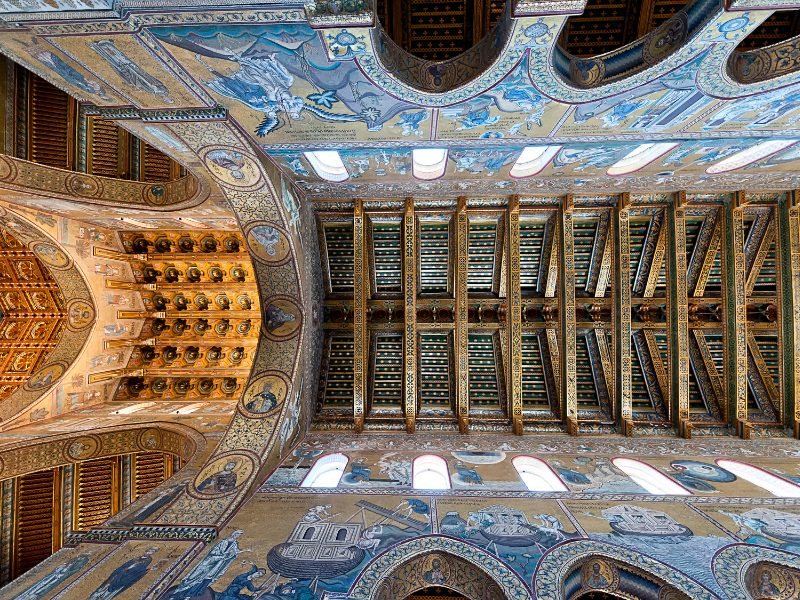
<point>507,526</point>
<point>318,550</point>
<point>635,520</point>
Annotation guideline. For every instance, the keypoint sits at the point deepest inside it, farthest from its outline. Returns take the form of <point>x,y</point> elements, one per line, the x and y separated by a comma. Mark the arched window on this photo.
<point>428,163</point>
<point>749,156</point>
<point>532,160</point>
<point>430,472</point>
<point>639,157</point>
<point>326,472</point>
<point>537,475</point>
<point>308,534</point>
<point>649,478</point>
<point>775,485</point>
<point>328,165</point>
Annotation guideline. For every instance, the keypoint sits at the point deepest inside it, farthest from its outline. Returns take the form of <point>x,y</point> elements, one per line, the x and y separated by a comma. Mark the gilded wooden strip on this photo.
<point>624,318</point>
<point>462,315</point>
<point>605,360</point>
<point>360,290</point>
<point>763,372</point>
<point>552,271</point>
<point>410,269</point>
<point>655,266</point>
<point>740,312</point>
<point>794,248</point>
<point>604,277</point>
<point>552,344</point>
<point>708,362</point>
<point>708,261</point>
<point>569,328</point>
<point>658,362</point>
<point>682,317</point>
<point>763,249</point>
<point>514,295</point>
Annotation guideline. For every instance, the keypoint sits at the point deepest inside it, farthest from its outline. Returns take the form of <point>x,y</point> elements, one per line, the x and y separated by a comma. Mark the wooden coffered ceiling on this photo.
<point>442,29</point>
<point>586,316</point>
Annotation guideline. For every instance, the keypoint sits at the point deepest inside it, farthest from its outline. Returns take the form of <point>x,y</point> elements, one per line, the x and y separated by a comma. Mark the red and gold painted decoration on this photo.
<point>34,313</point>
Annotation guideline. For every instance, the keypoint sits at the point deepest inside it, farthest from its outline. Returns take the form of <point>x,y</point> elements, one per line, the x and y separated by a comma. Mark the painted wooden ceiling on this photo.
<point>651,351</point>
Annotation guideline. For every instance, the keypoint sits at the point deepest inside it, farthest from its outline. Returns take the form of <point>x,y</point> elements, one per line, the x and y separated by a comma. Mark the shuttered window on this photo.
<point>150,469</point>
<point>51,124</point>
<point>34,524</point>
<point>97,489</point>
<point>157,166</point>
<point>109,149</point>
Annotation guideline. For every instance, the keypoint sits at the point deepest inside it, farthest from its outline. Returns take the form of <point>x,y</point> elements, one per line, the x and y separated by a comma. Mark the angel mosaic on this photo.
<point>274,63</point>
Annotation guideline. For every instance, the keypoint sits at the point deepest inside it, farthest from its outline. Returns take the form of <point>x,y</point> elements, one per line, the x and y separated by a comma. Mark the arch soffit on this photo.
<point>704,29</point>
<point>558,563</point>
<point>80,307</point>
<point>367,584</point>
<point>21,458</point>
<point>41,180</point>
<point>732,564</point>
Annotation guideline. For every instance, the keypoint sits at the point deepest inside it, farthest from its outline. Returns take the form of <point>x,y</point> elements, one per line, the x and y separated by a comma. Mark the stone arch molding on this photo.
<point>555,566</point>
<point>458,561</point>
<point>80,307</point>
<point>746,572</point>
<point>29,456</point>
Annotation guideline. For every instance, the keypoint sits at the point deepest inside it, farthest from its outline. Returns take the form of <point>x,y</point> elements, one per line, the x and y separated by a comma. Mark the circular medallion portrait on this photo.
<point>232,167</point>
<point>268,244</point>
<point>51,255</point>
<point>84,185</point>
<point>282,318</point>
<point>149,439</point>
<point>265,395</point>
<point>225,474</point>
<point>770,581</point>
<point>45,377</point>
<point>82,448</point>
<point>80,314</point>
<point>599,575</point>
<point>8,172</point>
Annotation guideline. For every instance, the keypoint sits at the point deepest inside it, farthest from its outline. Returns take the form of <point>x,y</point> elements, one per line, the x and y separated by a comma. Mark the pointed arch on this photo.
<point>430,472</point>
<point>651,479</point>
<point>326,472</point>
<point>740,569</point>
<point>567,571</point>
<point>537,475</point>
<point>777,486</point>
<point>416,557</point>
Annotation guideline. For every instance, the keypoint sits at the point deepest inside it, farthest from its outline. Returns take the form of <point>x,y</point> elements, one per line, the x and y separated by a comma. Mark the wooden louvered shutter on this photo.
<point>157,166</point>
<point>33,535</point>
<point>51,125</point>
<point>150,469</point>
<point>108,149</point>
<point>97,492</point>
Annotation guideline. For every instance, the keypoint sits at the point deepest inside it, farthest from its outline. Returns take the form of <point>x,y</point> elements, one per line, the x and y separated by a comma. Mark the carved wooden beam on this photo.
<point>569,382</point>
<point>792,319</point>
<point>679,291</point>
<point>738,333</point>
<point>514,295</point>
<point>410,270</point>
<point>462,315</point>
<point>360,291</point>
<point>623,306</point>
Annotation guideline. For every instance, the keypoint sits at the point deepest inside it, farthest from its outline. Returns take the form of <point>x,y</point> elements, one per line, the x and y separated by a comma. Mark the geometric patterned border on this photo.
<point>731,563</point>
<point>383,565</point>
<point>556,564</point>
<point>46,453</point>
